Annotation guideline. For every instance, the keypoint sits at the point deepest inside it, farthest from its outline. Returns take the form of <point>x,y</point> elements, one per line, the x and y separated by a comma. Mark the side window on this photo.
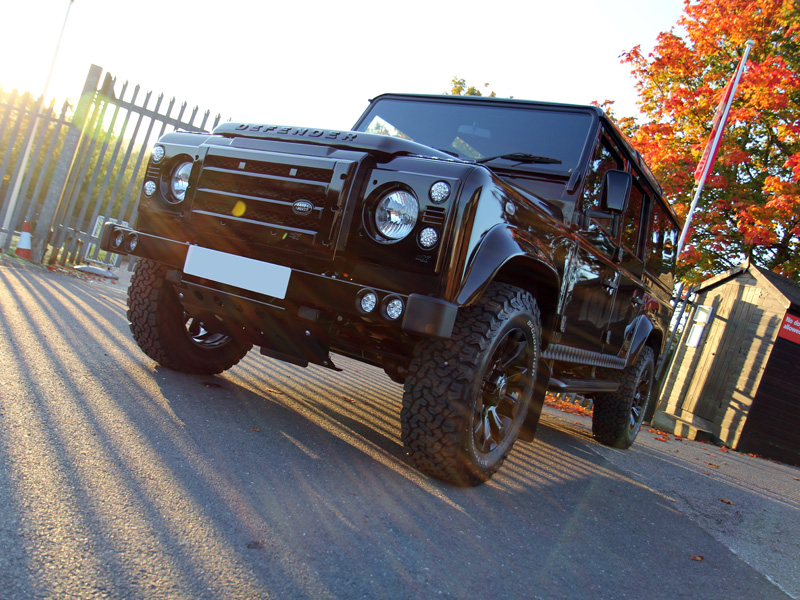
<point>605,158</point>
<point>663,241</point>
<point>600,227</point>
<point>631,224</point>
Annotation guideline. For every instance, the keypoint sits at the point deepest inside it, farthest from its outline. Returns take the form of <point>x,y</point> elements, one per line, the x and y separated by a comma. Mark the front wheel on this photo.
<point>168,334</point>
<point>618,416</point>
<point>466,398</point>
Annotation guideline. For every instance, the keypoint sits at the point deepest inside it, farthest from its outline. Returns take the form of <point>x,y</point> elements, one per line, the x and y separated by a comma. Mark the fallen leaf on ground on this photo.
<point>567,407</point>
<point>657,431</point>
<point>725,500</point>
<point>698,557</point>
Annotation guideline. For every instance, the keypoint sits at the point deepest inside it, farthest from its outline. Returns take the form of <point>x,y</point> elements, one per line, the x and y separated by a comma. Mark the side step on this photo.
<point>580,386</point>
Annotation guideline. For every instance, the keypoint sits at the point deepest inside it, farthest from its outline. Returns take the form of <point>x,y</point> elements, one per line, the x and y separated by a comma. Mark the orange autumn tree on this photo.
<point>750,205</point>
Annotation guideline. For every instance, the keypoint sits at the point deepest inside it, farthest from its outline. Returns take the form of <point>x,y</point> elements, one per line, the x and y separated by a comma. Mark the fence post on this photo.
<point>44,229</point>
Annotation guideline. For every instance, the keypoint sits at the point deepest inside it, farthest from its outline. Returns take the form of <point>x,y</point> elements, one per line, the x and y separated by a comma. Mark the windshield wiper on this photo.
<point>522,157</point>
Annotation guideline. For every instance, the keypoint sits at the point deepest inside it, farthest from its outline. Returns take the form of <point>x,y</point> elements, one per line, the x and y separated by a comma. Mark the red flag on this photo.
<point>710,153</point>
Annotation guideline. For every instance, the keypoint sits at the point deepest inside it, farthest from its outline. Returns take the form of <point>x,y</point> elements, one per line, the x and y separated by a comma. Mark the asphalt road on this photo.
<point>121,479</point>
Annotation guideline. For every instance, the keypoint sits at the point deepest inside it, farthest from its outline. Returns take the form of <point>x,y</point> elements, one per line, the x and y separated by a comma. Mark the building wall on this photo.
<point>773,423</point>
<point>712,387</point>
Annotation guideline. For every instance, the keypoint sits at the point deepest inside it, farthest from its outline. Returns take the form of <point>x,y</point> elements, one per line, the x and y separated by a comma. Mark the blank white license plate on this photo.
<point>246,273</point>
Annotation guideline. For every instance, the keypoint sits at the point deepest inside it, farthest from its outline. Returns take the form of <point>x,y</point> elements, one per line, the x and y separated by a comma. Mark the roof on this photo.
<point>718,280</point>
<point>785,286</point>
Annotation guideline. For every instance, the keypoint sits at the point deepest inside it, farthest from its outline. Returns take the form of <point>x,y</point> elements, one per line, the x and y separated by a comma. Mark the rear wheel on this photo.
<point>171,336</point>
<point>466,398</point>
<point>618,416</point>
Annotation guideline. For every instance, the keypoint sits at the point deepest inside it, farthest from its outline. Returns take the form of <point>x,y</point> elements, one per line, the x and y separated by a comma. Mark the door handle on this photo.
<point>610,283</point>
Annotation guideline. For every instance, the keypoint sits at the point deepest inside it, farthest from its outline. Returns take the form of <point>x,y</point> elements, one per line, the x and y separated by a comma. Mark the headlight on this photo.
<point>396,215</point>
<point>180,181</point>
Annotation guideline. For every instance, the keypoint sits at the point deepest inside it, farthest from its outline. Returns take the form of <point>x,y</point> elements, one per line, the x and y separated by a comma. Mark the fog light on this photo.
<point>158,154</point>
<point>118,239</point>
<point>393,309</point>
<point>149,188</point>
<point>368,301</point>
<point>428,238</point>
<point>131,242</point>
<point>440,191</point>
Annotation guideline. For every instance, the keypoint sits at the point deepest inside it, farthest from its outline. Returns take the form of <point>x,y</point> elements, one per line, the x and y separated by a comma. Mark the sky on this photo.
<point>317,63</point>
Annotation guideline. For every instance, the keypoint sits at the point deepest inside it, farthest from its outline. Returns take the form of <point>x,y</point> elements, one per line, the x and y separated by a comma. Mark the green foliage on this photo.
<point>460,88</point>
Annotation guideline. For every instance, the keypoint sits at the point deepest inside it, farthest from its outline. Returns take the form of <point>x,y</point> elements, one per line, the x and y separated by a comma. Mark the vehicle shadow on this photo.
<point>124,479</point>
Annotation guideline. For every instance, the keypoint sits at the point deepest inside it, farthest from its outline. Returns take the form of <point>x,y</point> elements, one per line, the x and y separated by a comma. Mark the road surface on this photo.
<point>122,479</point>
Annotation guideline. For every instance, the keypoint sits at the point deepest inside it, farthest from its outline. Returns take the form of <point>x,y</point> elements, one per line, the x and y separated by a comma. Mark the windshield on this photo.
<point>478,131</point>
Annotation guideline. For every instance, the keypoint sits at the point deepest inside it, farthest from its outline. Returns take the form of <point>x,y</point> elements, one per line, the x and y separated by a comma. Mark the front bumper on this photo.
<point>245,289</point>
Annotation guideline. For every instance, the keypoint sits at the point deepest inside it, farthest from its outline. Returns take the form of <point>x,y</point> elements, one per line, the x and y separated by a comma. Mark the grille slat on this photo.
<point>434,215</point>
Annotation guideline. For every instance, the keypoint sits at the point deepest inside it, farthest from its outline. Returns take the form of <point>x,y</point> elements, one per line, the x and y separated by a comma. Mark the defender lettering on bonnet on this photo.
<point>345,136</point>
<point>481,251</point>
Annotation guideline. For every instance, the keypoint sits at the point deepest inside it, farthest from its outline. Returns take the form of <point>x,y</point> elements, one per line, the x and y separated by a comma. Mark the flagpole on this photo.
<point>715,144</point>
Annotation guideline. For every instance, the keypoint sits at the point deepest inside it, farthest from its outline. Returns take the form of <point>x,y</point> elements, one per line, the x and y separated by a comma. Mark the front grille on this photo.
<point>271,168</point>
<point>271,199</point>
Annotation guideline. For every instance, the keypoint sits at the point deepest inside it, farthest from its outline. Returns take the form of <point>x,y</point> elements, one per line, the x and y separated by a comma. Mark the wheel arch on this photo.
<point>507,257</point>
<point>645,334</point>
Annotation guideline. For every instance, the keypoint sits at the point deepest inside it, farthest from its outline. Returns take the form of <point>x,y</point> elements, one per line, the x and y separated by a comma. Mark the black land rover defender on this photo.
<point>482,251</point>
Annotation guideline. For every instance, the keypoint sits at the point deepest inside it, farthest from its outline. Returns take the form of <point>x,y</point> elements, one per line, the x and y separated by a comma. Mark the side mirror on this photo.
<point>616,190</point>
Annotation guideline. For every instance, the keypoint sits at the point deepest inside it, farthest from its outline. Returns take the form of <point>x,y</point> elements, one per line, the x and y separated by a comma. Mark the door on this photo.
<point>591,278</point>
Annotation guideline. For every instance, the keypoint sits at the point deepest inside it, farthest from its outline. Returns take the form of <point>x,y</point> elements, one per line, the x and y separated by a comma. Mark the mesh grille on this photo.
<point>247,193</point>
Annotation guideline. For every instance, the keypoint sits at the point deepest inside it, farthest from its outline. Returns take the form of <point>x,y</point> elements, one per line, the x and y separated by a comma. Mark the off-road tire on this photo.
<point>159,325</point>
<point>457,388</point>
<point>618,416</point>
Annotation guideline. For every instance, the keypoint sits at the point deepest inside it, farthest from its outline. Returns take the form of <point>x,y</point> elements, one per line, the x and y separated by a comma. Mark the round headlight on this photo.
<point>396,215</point>
<point>180,181</point>
<point>149,188</point>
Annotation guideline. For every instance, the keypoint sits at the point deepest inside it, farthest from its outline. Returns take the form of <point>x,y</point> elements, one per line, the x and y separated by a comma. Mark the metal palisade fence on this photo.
<point>67,172</point>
